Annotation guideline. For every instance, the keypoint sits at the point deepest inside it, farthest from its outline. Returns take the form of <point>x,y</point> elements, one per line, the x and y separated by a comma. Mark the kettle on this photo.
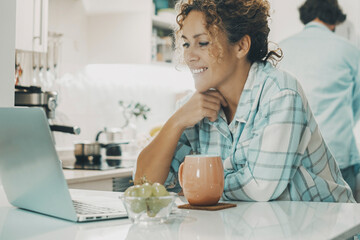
<point>113,135</point>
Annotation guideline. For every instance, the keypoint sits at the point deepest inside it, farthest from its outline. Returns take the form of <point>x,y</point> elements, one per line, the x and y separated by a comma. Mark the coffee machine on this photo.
<point>34,96</point>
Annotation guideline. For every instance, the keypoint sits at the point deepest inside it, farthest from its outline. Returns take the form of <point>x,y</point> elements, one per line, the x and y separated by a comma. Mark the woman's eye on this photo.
<point>186,45</point>
<point>203,44</point>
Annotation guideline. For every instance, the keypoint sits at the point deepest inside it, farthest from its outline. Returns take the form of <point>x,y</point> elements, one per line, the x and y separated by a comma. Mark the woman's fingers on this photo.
<point>210,105</point>
<point>199,106</point>
<point>210,114</point>
<point>214,94</point>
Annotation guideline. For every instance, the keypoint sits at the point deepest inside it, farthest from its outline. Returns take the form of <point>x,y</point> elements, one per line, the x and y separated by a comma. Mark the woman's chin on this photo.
<point>201,87</point>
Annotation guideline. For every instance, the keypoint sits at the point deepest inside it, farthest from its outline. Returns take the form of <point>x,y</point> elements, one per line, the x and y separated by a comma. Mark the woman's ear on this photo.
<point>243,46</point>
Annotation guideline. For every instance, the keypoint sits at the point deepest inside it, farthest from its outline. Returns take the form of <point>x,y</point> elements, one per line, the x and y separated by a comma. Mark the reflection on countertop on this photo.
<point>261,220</point>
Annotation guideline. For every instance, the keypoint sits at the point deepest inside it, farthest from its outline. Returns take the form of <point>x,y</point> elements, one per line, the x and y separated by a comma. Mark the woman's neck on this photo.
<point>232,89</point>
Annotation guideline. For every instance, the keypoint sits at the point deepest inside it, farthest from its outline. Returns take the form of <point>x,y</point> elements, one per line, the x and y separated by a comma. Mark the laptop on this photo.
<point>31,172</point>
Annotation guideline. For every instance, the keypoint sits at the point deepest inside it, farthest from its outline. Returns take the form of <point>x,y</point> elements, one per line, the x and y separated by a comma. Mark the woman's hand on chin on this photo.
<point>200,105</point>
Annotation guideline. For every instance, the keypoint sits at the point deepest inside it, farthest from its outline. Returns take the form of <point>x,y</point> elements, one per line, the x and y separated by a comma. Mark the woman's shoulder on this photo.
<point>280,91</point>
<point>279,82</point>
<point>279,79</point>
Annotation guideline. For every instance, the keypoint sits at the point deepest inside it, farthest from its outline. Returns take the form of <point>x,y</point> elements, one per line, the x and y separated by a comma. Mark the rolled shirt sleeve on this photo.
<point>183,148</point>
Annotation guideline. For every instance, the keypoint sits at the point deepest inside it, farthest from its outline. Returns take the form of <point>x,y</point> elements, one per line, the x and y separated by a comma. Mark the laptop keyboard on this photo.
<point>85,208</point>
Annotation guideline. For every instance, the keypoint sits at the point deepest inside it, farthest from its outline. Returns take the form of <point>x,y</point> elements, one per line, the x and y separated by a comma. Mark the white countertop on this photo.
<point>262,220</point>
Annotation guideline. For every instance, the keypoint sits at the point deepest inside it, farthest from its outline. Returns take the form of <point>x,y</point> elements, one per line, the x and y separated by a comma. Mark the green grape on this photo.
<point>159,190</point>
<point>137,206</point>
<point>129,191</point>
<point>132,191</point>
<point>145,190</point>
<point>154,207</point>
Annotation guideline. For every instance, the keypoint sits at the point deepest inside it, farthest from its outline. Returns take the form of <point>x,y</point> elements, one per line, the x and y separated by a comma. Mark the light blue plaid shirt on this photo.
<point>272,150</point>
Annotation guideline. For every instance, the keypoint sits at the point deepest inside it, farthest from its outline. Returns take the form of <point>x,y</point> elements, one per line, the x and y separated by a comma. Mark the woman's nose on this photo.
<point>191,56</point>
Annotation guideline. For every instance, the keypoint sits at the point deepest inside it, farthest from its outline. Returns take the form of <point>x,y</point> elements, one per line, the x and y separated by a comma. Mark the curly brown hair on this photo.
<point>236,18</point>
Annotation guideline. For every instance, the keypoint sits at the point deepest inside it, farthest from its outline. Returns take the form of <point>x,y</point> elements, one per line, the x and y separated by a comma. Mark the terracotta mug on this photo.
<point>202,179</point>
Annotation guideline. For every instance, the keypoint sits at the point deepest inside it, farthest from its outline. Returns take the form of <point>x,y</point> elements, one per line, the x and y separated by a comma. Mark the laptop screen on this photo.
<point>30,170</point>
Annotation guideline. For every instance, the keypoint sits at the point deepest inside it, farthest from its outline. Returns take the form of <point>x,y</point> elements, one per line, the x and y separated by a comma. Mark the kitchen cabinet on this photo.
<point>31,25</point>
<point>7,56</point>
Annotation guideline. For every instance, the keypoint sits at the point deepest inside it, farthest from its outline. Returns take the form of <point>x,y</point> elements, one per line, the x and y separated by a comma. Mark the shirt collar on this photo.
<point>316,25</point>
<point>245,102</point>
<point>246,99</point>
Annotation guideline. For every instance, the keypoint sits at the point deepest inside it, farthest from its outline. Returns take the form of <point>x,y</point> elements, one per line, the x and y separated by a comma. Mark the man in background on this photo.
<point>327,66</point>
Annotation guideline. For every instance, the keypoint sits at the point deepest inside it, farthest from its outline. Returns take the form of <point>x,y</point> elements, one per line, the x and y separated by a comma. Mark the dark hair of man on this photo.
<point>327,11</point>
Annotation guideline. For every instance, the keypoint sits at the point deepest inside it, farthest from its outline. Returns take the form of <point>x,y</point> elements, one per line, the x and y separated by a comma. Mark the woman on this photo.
<point>245,110</point>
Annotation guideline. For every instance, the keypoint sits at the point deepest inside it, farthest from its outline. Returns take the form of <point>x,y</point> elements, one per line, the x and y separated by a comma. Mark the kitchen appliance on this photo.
<point>113,149</point>
<point>87,154</point>
<point>100,155</point>
<point>34,96</point>
<point>95,156</point>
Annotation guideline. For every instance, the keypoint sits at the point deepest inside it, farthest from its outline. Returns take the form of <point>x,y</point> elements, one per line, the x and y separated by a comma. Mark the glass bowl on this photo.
<point>149,210</point>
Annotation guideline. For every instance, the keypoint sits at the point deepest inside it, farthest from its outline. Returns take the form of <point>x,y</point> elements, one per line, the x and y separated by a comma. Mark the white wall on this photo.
<point>350,29</point>
<point>90,100</point>
<point>284,19</point>
<point>120,38</point>
<point>119,31</point>
<point>7,52</point>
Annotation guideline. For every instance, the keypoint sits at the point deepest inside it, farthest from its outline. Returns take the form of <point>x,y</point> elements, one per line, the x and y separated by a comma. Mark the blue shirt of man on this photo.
<point>327,67</point>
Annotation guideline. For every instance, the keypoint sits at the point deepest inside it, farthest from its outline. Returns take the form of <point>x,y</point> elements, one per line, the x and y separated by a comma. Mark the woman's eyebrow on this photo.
<point>195,36</point>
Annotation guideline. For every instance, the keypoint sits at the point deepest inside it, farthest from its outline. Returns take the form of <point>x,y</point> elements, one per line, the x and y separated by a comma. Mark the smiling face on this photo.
<point>202,56</point>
